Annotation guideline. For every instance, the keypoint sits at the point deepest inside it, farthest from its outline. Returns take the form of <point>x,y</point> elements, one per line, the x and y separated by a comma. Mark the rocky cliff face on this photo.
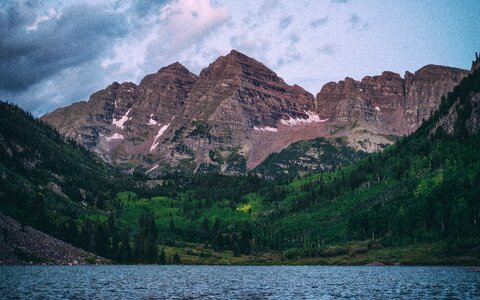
<point>118,123</point>
<point>372,110</point>
<point>237,112</point>
<point>232,99</point>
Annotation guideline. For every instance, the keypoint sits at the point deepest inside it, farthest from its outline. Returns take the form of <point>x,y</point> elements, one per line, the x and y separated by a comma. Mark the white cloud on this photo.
<point>52,13</point>
<point>163,37</point>
<point>188,20</point>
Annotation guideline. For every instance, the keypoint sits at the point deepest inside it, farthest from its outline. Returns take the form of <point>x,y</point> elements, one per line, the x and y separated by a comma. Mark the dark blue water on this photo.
<point>225,282</point>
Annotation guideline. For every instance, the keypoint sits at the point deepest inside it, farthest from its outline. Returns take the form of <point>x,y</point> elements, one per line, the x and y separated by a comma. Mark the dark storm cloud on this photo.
<point>80,34</point>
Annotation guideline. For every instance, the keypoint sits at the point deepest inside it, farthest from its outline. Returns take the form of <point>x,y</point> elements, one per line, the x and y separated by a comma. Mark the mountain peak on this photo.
<point>236,53</point>
<point>236,64</point>
<point>176,67</point>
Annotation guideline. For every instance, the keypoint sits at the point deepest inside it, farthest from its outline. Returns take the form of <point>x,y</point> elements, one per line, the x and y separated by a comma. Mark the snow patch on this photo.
<point>224,85</point>
<point>152,121</point>
<point>159,134</point>
<point>266,128</point>
<point>115,136</point>
<point>413,125</point>
<point>377,108</point>
<point>119,123</point>
<point>312,118</point>
<point>152,168</point>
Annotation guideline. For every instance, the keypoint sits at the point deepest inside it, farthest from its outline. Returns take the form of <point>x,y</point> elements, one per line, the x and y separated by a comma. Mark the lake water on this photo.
<point>237,282</point>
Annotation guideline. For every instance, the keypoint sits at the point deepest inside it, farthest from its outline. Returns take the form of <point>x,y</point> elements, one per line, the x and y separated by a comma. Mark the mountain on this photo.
<point>416,202</point>
<point>371,110</point>
<point>422,189</point>
<point>237,112</point>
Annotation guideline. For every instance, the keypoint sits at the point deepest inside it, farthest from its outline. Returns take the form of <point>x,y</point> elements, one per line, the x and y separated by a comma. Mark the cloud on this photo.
<point>34,50</point>
<point>319,22</point>
<point>148,7</point>
<point>326,49</point>
<point>285,22</point>
<point>294,38</point>
<point>357,23</point>
<point>177,26</point>
<point>340,1</point>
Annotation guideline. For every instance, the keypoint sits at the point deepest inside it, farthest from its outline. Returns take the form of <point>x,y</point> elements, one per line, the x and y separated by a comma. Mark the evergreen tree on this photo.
<point>176,258</point>
<point>147,239</point>
<point>162,259</point>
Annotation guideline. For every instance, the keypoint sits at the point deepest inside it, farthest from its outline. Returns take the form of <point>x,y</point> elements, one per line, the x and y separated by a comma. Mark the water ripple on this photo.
<point>236,282</point>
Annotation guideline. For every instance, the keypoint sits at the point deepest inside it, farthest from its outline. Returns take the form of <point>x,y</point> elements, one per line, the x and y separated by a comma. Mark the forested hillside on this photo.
<point>51,184</point>
<point>418,201</point>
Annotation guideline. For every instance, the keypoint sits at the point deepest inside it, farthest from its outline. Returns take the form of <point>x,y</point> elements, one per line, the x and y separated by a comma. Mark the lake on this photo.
<point>237,282</point>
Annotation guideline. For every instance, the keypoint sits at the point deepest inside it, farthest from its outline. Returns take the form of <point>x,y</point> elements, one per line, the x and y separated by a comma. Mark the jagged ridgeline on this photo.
<point>237,112</point>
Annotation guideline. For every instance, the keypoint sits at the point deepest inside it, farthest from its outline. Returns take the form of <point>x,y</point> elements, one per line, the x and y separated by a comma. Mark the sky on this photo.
<point>54,53</point>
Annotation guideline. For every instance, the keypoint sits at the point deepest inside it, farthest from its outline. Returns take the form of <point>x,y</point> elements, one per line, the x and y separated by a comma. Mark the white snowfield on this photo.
<point>377,108</point>
<point>159,134</point>
<point>266,128</point>
<point>115,136</point>
<point>119,123</point>
<point>312,118</point>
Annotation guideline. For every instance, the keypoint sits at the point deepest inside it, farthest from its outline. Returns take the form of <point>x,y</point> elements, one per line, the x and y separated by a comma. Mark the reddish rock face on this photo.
<point>388,102</point>
<point>238,111</point>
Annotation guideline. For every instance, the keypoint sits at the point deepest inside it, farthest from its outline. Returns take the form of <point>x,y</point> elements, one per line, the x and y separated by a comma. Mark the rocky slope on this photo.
<point>237,112</point>
<point>20,244</point>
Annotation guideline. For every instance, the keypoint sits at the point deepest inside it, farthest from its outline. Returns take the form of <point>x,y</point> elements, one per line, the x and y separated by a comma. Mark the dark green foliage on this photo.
<point>146,240</point>
<point>161,258</point>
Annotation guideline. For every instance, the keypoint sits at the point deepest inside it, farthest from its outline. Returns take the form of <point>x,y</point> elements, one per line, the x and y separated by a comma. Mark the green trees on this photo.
<point>146,240</point>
